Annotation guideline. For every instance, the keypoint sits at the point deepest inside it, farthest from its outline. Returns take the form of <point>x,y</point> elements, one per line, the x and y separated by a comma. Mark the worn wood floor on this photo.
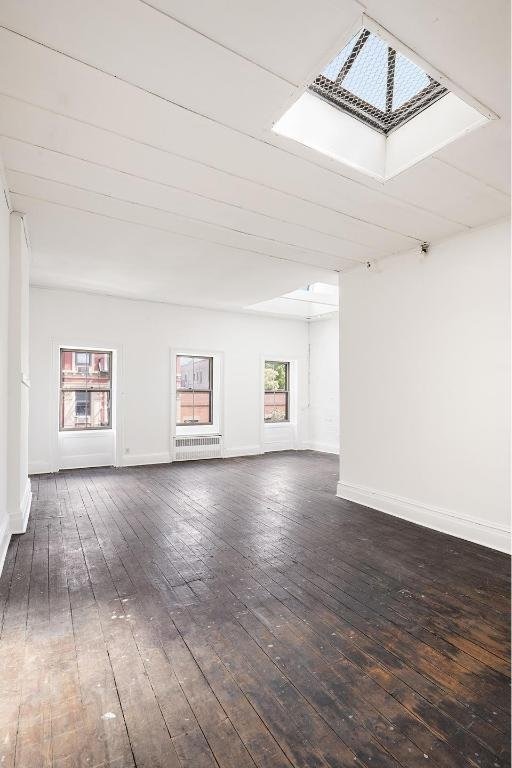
<point>235,613</point>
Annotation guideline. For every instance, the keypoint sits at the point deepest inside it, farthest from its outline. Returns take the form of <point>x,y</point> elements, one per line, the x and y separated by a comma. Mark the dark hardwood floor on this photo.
<point>235,613</point>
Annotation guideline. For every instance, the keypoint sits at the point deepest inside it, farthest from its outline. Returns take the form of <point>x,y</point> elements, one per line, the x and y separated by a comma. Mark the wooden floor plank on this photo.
<point>233,613</point>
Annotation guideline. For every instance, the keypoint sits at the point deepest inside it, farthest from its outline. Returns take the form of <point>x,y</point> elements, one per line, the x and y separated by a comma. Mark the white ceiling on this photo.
<point>136,136</point>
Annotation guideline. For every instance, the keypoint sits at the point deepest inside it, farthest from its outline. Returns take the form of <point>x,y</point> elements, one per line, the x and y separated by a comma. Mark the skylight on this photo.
<point>310,302</point>
<point>376,84</point>
<point>377,111</point>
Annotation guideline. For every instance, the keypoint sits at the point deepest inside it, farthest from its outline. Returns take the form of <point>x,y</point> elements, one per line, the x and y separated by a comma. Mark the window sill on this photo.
<point>184,430</point>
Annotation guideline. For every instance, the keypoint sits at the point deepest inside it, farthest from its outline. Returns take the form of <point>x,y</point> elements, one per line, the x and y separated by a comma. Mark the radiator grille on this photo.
<point>197,447</point>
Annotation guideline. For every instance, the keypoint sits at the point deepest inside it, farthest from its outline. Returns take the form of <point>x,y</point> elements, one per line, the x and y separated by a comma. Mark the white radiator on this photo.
<point>197,447</point>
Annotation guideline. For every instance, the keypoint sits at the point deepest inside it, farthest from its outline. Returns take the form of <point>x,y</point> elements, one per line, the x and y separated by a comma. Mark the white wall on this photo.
<point>425,386</point>
<point>18,484</point>
<point>324,388</point>
<point>143,334</point>
<point>4,344</point>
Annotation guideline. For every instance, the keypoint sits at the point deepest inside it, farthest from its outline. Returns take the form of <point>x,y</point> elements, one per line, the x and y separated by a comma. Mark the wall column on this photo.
<point>18,484</point>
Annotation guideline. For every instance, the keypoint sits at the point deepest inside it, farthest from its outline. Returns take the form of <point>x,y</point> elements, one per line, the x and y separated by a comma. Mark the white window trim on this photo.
<point>290,427</point>
<point>289,420</point>
<point>110,428</point>
<point>217,397</point>
<point>115,429</point>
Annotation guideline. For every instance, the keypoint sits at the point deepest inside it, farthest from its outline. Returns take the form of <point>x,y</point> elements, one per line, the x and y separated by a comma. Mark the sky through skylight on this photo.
<point>376,83</point>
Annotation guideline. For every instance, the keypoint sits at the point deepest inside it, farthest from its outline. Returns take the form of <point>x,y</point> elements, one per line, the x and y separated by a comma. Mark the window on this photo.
<point>277,394</point>
<point>376,84</point>
<point>194,390</point>
<point>85,389</point>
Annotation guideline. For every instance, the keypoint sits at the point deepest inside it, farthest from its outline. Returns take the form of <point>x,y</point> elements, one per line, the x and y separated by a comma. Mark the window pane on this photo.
<point>66,360</point>
<point>100,363</point>
<point>193,407</point>
<point>281,370</point>
<point>276,406</point>
<point>73,376</point>
<point>99,371</point>
<point>184,407</point>
<point>202,407</point>
<point>85,370</point>
<point>99,409</point>
<point>270,377</point>
<point>193,372</point>
<point>74,410</point>
<point>81,361</point>
<point>276,375</point>
<point>202,372</point>
<point>184,372</point>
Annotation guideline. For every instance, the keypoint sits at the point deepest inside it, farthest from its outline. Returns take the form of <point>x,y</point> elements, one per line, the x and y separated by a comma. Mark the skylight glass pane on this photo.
<point>332,70</point>
<point>368,75</point>
<point>409,81</point>
<point>376,84</point>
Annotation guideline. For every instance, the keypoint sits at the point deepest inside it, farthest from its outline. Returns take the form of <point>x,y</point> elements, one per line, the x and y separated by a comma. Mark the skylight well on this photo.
<point>376,110</point>
<point>376,84</point>
<point>313,301</point>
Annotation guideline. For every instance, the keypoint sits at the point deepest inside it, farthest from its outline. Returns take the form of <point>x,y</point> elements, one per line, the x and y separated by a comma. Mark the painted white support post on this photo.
<point>340,380</point>
<point>19,495</point>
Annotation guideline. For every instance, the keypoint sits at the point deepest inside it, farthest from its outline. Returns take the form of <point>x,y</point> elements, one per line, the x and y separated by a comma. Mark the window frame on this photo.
<point>286,391</point>
<point>85,429</point>
<point>179,390</point>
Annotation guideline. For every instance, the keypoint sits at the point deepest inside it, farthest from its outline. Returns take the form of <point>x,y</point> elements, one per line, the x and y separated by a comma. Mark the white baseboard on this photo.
<point>281,445</point>
<point>129,460</point>
<point>40,468</point>
<point>244,450</point>
<point>5,537</point>
<point>323,447</point>
<point>165,458</point>
<point>137,460</point>
<point>19,519</point>
<point>445,521</point>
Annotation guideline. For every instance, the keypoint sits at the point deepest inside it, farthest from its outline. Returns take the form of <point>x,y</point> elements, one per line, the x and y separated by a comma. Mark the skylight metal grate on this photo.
<point>376,84</point>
